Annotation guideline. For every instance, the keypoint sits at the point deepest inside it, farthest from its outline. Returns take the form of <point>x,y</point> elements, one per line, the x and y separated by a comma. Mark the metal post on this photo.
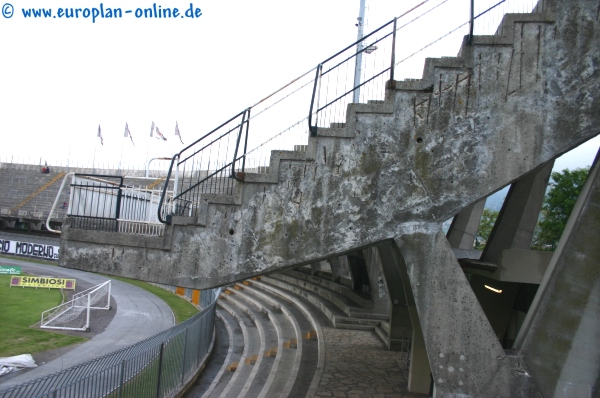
<point>160,356</point>
<point>109,291</point>
<point>393,52</point>
<point>184,351</point>
<point>472,21</point>
<point>174,184</point>
<point>118,209</point>
<point>122,378</point>
<point>313,129</point>
<point>246,141</point>
<point>87,323</point>
<point>359,47</point>
<point>237,143</point>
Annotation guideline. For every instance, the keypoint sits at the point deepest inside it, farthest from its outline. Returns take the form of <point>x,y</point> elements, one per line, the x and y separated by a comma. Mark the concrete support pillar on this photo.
<point>379,293</point>
<point>358,270</point>
<point>559,338</point>
<point>463,229</point>
<point>403,315</point>
<point>419,377</point>
<point>340,269</point>
<point>519,214</point>
<point>315,268</point>
<point>465,356</point>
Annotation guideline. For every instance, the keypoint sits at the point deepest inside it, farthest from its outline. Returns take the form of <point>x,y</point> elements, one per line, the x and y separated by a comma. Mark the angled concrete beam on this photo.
<point>463,229</point>
<point>465,355</point>
<point>404,315</point>
<point>519,214</point>
<point>560,337</point>
<point>340,268</point>
<point>380,296</point>
<point>515,265</point>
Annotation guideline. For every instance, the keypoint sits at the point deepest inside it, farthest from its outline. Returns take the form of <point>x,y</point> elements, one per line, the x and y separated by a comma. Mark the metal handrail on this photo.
<point>164,192</point>
<point>237,144</point>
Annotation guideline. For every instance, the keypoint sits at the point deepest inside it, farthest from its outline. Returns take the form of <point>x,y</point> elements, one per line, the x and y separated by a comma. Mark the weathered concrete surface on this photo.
<point>519,214</point>
<point>465,224</point>
<point>560,336</point>
<point>518,265</point>
<point>473,125</point>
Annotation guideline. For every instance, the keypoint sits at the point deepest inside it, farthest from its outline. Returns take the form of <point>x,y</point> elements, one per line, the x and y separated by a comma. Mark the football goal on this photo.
<point>75,314</point>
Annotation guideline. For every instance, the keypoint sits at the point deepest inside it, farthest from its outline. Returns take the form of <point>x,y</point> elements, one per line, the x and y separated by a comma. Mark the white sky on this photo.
<point>64,77</point>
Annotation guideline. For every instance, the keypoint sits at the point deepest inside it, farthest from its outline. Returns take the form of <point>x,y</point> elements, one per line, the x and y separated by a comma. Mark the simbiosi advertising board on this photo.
<point>48,252</point>
<point>42,281</point>
<point>9,270</point>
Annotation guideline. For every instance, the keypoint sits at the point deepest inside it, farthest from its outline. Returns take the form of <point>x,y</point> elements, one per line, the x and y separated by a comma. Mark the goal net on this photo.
<point>75,314</point>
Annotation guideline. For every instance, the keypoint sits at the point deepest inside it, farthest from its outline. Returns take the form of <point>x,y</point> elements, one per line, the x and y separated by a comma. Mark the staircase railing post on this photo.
<point>246,141</point>
<point>393,52</point>
<point>118,210</point>
<point>165,189</point>
<point>313,129</point>
<point>471,23</point>
<point>237,143</point>
<point>175,183</point>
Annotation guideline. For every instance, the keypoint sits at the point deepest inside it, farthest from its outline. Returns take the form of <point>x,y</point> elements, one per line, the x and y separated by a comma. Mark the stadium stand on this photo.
<point>28,194</point>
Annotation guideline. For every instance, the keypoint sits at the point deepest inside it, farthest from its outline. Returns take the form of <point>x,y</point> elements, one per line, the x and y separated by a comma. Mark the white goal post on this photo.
<point>75,314</point>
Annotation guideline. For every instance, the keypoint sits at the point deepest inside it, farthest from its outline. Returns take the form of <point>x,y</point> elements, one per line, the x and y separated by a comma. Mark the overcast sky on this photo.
<point>64,77</point>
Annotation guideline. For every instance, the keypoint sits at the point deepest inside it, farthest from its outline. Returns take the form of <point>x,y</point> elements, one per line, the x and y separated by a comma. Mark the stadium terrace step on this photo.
<point>253,344</point>
<point>352,304</point>
<point>221,356</point>
<point>324,280</point>
<point>208,386</point>
<point>287,363</point>
<point>312,350</point>
<point>269,337</point>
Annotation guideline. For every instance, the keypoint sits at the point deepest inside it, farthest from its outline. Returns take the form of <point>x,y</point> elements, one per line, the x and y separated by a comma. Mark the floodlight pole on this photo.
<point>359,47</point>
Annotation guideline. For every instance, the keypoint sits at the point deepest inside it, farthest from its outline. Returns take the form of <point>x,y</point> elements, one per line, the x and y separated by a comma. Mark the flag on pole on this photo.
<point>177,133</point>
<point>100,135</point>
<point>128,134</point>
<point>152,130</point>
<point>159,135</point>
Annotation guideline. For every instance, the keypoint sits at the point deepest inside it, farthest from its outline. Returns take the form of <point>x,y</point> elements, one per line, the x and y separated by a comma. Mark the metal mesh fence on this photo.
<point>157,366</point>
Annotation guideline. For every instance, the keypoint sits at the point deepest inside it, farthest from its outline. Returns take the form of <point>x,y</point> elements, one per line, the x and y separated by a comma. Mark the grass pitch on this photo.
<point>20,309</point>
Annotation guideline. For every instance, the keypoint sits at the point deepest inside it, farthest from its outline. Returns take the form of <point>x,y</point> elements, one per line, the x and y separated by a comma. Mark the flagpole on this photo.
<point>93,162</point>
<point>120,159</point>
<point>69,155</point>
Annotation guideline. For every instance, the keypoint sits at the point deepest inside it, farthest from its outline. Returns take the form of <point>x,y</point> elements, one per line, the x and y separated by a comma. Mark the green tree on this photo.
<point>488,218</point>
<point>564,189</point>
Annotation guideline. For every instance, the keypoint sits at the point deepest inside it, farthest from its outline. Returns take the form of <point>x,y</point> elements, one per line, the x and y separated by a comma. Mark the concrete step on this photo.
<point>324,279</point>
<point>287,362</point>
<point>252,346</point>
<point>313,350</point>
<point>220,358</point>
<point>236,348</point>
<point>329,309</point>
<point>345,304</point>
<point>270,338</point>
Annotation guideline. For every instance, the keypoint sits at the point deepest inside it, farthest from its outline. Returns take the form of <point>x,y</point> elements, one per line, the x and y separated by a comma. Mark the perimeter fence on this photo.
<point>159,366</point>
